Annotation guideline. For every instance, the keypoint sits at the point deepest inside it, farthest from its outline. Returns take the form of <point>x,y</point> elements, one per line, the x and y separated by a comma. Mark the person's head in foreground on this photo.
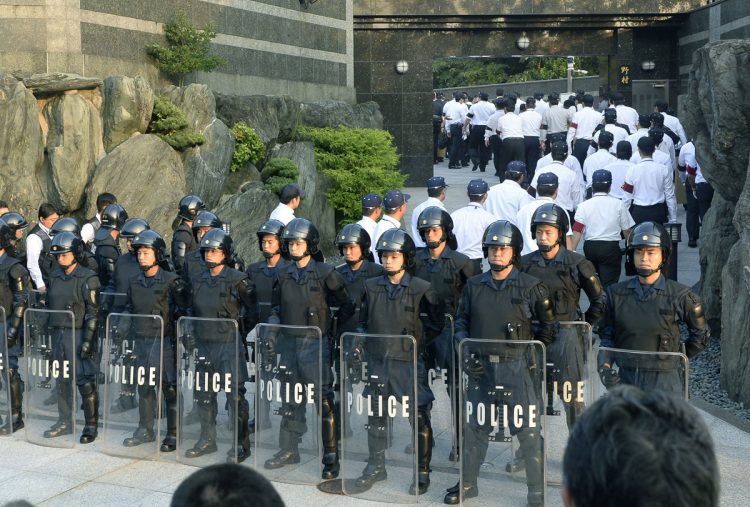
<point>224,485</point>
<point>646,449</point>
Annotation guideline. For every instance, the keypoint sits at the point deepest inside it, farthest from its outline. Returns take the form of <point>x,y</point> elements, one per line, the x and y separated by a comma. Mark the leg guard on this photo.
<point>531,447</point>
<point>169,443</point>
<point>424,452</point>
<point>90,401</point>
<point>330,440</point>
<point>16,403</point>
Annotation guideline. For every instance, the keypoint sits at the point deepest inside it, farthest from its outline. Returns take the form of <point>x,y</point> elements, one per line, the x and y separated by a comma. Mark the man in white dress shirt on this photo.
<point>582,127</point>
<point>601,158</point>
<point>506,198</point>
<point>477,118</point>
<point>94,223</point>
<point>569,190</point>
<point>672,122</point>
<point>394,204</point>
<point>625,114</point>
<point>371,211</point>
<point>435,196</point>
<point>649,186</point>
<point>39,260</point>
<point>532,123</point>
<point>619,168</point>
<point>290,198</point>
<point>470,222</point>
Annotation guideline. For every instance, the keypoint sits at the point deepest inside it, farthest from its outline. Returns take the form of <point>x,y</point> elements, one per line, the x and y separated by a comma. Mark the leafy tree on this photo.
<point>187,50</point>
<point>248,146</point>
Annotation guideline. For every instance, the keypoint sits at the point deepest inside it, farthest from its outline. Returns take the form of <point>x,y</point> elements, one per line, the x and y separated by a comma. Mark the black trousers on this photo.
<point>696,208</point>
<point>456,146</point>
<point>496,144</point>
<point>478,152</point>
<point>581,149</point>
<point>606,257</point>
<point>531,148</point>
<point>654,213</point>
<point>435,140</point>
<point>513,149</point>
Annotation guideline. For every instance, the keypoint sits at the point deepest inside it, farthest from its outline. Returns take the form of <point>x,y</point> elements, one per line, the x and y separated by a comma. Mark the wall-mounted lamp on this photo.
<point>402,66</point>
<point>523,42</point>
<point>648,65</point>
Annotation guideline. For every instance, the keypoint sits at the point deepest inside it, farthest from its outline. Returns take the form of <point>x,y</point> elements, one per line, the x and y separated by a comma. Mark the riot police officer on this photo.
<point>14,279</point>
<point>107,250</point>
<point>183,241</point>
<point>18,224</point>
<point>76,288</point>
<point>262,274</point>
<point>500,304</point>
<point>193,260</point>
<point>154,290</point>
<point>398,303</point>
<point>644,313</point>
<point>447,271</point>
<point>70,224</point>
<point>564,273</point>
<point>302,292</point>
<point>219,291</point>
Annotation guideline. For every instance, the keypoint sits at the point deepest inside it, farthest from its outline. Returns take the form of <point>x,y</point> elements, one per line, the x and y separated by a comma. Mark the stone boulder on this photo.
<point>128,104</point>
<point>246,212</point>
<point>335,113</point>
<point>74,144</point>
<point>717,237</point>
<point>274,118</point>
<point>148,178</point>
<point>206,166</point>
<point>719,116</point>
<point>21,147</point>
<point>314,206</point>
<point>46,84</point>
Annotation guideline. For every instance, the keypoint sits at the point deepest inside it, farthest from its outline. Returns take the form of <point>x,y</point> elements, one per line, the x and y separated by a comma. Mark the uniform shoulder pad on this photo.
<point>340,267</point>
<point>169,276</point>
<point>574,258</point>
<point>419,284</point>
<point>256,267</point>
<point>91,280</point>
<point>459,258</point>
<point>324,269</point>
<point>374,269</point>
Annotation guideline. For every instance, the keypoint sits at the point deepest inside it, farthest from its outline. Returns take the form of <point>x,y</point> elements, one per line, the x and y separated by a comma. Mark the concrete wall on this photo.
<point>270,46</point>
<point>728,19</point>
<point>590,84</point>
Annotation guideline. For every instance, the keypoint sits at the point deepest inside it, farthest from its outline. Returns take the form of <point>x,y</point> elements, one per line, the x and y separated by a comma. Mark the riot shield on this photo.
<point>568,393</point>
<point>443,381</point>
<point>211,380</point>
<point>381,399</point>
<point>502,387</point>
<point>111,302</point>
<point>295,399</point>
<point>50,362</point>
<point>651,371</point>
<point>133,358</point>
<point>6,423</point>
<point>37,299</point>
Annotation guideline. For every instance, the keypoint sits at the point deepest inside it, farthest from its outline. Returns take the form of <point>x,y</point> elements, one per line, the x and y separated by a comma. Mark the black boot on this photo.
<point>373,472</point>
<point>330,442</point>
<point>517,464</point>
<point>169,444</point>
<point>531,446</point>
<point>243,433</point>
<point>289,453</point>
<point>454,497</point>
<point>424,453</point>
<point>572,412</point>
<point>64,425</point>
<point>16,404</point>
<point>147,412</point>
<point>90,402</point>
<point>206,444</point>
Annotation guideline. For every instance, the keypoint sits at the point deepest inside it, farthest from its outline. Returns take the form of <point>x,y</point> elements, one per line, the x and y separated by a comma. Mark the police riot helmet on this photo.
<point>66,224</point>
<point>217,238</point>
<point>7,237</point>
<point>114,217</point>
<point>649,234</point>
<point>301,228</point>
<point>435,216</point>
<point>190,206</point>
<point>554,215</point>
<point>355,234</point>
<point>15,221</point>
<point>149,238</point>
<point>204,219</point>
<point>502,233</point>
<point>273,227</point>
<point>397,240</point>
<point>134,227</point>
<point>68,242</point>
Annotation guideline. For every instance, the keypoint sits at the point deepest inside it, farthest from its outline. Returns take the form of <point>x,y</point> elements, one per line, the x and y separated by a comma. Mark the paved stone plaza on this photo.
<point>85,476</point>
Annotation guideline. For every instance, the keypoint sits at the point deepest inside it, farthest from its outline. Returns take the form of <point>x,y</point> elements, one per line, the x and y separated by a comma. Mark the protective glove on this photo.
<point>609,376</point>
<point>188,341</point>
<point>473,368</point>
<point>12,335</point>
<point>87,350</point>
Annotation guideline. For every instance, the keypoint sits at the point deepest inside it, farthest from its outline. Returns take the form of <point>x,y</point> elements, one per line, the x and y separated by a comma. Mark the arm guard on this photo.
<point>544,313</point>
<point>179,250</point>
<point>699,332</point>
<point>462,317</point>
<point>339,295</point>
<point>275,316</point>
<point>91,316</point>
<point>247,294</point>
<point>19,280</point>
<point>433,308</point>
<point>593,288</point>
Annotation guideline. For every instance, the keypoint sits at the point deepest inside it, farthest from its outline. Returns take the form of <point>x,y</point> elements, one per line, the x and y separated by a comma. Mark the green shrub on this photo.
<point>279,172</point>
<point>356,162</point>
<point>169,122</point>
<point>248,146</point>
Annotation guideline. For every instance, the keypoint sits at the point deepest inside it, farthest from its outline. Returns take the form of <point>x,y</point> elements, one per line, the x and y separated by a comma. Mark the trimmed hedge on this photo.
<point>169,122</point>
<point>248,146</point>
<point>279,172</point>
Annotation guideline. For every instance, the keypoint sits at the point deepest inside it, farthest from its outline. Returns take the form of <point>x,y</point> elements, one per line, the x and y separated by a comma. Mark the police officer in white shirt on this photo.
<point>510,129</point>
<point>394,204</point>
<point>659,156</point>
<point>625,114</point>
<point>541,105</point>
<point>435,196</point>
<point>582,127</point>
<point>531,122</point>
<point>506,198</point>
<point>661,106</point>
<point>619,168</point>
<point>610,125</point>
<point>455,114</point>
<point>600,221</point>
<point>569,190</point>
<point>470,222</point>
<point>371,211</point>
<point>290,198</point>
<point>493,140</point>
<point>601,158</point>
<point>699,193</point>
<point>649,186</point>
<point>644,123</point>
<point>546,191</point>
<point>477,118</point>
